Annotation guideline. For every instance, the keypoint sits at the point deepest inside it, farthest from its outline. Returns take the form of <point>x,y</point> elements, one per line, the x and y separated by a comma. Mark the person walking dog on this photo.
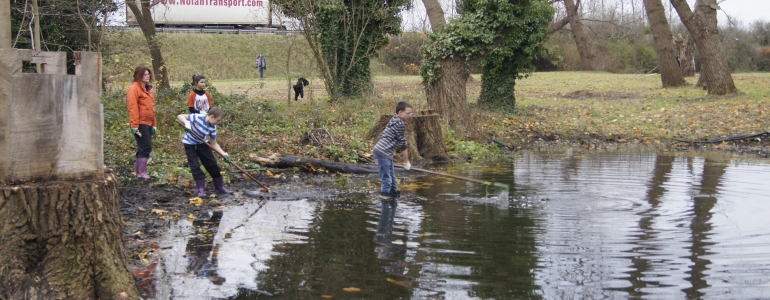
<point>392,136</point>
<point>204,126</point>
<point>140,99</point>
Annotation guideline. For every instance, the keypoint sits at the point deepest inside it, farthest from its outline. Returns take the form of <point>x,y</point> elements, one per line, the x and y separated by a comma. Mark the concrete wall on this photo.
<point>51,124</point>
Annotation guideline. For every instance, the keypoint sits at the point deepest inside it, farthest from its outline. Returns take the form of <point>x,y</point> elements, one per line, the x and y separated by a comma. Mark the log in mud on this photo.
<point>63,240</point>
<point>730,138</point>
<point>313,165</point>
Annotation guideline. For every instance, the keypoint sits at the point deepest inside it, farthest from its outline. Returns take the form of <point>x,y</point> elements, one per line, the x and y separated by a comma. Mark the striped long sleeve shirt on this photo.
<point>199,126</point>
<point>392,136</point>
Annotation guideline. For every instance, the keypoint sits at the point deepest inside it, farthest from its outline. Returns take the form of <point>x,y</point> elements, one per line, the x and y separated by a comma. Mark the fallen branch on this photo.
<point>729,138</point>
<point>313,165</point>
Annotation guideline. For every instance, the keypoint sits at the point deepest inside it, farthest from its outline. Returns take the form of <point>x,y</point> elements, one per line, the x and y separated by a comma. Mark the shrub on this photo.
<point>403,52</point>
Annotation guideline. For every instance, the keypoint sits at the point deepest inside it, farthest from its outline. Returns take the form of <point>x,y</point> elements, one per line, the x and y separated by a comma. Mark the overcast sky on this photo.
<point>746,11</point>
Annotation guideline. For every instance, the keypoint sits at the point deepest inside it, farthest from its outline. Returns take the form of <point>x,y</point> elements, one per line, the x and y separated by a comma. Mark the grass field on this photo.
<point>217,56</point>
<point>570,108</point>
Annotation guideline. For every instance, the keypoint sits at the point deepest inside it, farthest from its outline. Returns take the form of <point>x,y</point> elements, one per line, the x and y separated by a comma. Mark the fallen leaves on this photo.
<point>197,201</point>
<point>159,212</point>
<point>351,289</point>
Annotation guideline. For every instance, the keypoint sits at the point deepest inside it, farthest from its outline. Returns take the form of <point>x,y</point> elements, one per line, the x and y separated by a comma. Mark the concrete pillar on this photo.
<point>5,24</point>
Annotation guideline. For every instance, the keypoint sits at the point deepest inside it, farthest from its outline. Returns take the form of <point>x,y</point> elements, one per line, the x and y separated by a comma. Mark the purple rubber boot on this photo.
<point>201,184</point>
<point>141,168</point>
<point>219,187</point>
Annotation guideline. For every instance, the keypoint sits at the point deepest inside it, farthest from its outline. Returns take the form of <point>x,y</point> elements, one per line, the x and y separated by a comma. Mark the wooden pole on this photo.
<point>5,24</point>
<point>36,40</point>
<point>503,185</point>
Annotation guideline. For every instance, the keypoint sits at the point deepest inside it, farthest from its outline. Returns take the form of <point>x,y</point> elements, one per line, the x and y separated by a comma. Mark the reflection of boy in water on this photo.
<point>200,245</point>
<point>387,250</point>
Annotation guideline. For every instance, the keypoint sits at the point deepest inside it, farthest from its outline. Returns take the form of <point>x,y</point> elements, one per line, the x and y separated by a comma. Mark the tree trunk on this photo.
<point>430,138</point>
<point>702,26</point>
<point>670,74</point>
<point>558,25</point>
<point>497,87</point>
<point>435,14</point>
<point>688,63</point>
<point>144,18</point>
<point>63,240</point>
<point>686,49</point>
<point>587,57</point>
<point>448,95</point>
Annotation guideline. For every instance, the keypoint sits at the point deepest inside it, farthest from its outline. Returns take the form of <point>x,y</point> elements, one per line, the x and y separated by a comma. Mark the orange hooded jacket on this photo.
<point>141,105</point>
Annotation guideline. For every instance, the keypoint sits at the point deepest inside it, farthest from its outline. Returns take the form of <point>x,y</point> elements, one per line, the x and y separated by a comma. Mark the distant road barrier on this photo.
<point>209,30</point>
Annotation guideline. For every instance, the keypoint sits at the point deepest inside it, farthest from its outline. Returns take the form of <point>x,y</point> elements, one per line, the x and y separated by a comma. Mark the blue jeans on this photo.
<point>387,175</point>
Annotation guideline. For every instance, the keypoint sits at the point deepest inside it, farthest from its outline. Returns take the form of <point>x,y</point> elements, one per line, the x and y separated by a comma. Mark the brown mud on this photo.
<point>149,208</point>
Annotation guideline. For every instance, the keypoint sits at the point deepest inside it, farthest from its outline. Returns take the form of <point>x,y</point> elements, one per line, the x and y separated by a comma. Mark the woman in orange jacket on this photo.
<point>140,98</point>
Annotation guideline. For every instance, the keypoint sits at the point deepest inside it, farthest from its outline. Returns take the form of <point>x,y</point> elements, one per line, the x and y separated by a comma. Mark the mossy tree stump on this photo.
<point>423,134</point>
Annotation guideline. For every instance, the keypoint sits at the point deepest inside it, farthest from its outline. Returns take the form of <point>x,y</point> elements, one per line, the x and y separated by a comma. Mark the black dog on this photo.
<point>299,88</point>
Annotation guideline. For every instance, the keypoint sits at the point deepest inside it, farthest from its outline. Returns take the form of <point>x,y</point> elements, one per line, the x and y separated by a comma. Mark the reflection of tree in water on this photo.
<point>640,262</point>
<point>700,226</point>
<point>200,252</point>
<point>339,253</point>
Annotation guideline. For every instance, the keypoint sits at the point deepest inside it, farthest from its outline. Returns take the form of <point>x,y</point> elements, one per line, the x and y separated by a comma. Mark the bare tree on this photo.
<point>587,56</point>
<point>143,15</point>
<point>670,74</point>
<point>702,25</point>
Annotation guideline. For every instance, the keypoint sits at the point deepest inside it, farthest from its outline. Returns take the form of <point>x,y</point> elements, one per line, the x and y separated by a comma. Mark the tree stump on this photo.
<point>63,240</point>
<point>430,138</point>
<point>423,133</point>
<point>61,232</point>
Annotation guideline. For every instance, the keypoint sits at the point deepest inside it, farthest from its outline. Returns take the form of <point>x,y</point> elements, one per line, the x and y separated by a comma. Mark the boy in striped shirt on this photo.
<point>392,136</point>
<point>204,126</point>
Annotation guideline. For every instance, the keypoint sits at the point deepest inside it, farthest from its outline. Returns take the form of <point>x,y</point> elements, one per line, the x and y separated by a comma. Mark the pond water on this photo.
<point>572,225</point>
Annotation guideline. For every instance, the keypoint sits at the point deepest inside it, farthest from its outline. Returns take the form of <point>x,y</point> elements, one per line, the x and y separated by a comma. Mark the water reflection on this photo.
<point>641,263</point>
<point>576,225</point>
<point>703,202</point>
<point>201,252</point>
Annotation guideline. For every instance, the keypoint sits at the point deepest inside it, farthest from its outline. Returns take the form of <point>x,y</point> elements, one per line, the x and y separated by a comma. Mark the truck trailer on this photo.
<point>223,14</point>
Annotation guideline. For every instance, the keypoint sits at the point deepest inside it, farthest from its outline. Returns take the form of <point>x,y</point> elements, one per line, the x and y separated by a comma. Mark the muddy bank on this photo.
<point>150,208</point>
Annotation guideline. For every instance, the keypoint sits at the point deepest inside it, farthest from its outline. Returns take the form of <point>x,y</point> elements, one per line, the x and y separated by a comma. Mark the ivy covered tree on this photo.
<point>505,35</point>
<point>344,35</point>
